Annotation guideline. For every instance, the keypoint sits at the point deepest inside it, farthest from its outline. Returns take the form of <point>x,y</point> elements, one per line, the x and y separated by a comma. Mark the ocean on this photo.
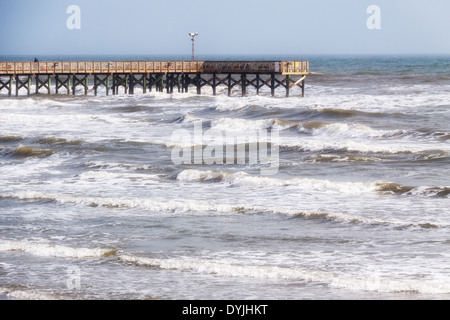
<point>102,198</point>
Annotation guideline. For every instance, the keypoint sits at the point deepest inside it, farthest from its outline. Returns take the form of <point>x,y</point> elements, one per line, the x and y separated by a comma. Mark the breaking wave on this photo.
<point>340,158</point>
<point>369,147</point>
<point>195,207</point>
<point>333,279</point>
<point>26,152</point>
<point>192,207</point>
<point>107,175</point>
<point>309,127</point>
<point>10,139</point>
<point>48,250</point>
<point>313,136</point>
<point>27,294</point>
<point>394,188</point>
<point>244,179</point>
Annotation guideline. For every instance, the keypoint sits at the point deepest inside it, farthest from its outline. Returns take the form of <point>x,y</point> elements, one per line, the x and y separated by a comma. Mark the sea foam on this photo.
<point>333,279</point>
<point>50,250</point>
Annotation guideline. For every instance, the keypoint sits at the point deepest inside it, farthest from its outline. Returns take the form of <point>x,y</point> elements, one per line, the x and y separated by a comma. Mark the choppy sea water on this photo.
<point>93,205</point>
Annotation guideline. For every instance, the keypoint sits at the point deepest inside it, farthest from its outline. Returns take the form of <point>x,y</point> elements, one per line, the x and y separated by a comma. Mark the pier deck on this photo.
<point>153,74</point>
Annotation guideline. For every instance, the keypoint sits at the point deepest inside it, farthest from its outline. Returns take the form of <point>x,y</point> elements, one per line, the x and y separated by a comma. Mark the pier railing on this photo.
<point>295,67</point>
<point>141,67</point>
<point>284,67</point>
<point>99,67</point>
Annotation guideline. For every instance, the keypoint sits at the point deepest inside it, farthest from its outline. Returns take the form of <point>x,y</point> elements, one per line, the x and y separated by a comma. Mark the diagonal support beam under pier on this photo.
<point>118,81</point>
<point>81,80</point>
<point>61,82</point>
<point>6,84</point>
<point>157,80</point>
<point>297,83</point>
<point>231,83</point>
<point>23,84</point>
<point>141,81</point>
<point>99,81</point>
<point>46,83</point>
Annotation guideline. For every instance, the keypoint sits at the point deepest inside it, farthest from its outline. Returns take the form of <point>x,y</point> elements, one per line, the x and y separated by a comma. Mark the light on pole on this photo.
<point>193,35</point>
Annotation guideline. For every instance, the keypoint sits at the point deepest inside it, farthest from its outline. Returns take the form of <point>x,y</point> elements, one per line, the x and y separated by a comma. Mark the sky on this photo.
<point>231,27</point>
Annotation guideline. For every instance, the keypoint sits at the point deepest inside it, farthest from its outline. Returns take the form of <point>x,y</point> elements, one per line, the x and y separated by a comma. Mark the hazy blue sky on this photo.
<point>152,27</point>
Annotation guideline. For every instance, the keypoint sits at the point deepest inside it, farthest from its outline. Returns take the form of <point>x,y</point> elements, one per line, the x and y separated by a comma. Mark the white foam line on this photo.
<point>205,208</point>
<point>27,294</point>
<point>99,175</point>
<point>48,250</point>
<point>351,130</point>
<point>334,279</point>
<point>193,207</point>
<point>386,146</point>
<point>147,204</point>
<point>244,179</point>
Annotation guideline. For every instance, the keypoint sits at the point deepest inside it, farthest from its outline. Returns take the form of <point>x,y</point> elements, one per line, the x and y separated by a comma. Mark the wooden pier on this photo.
<point>149,75</point>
